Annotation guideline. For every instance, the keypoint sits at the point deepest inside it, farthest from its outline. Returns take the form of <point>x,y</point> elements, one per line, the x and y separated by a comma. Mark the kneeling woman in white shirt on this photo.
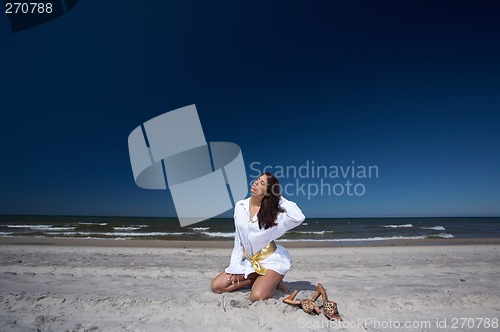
<point>256,259</point>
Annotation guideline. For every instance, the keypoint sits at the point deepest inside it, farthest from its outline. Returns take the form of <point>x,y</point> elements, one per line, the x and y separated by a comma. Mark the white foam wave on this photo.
<point>121,233</point>
<point>30,226</point>
<point>443,236</point>
<point>398,226</point>
<point>378,238</point>
<point>130,228</point>
<point>311,232</point>
<point>55,229</point>
<point>200,228</point>
<point>436,228</point>
<point>41,227</point>
<point>93,223</point>
<point>219,234</point>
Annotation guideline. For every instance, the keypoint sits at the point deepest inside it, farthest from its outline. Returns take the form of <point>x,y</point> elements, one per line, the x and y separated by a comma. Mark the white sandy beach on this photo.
<point>92,288</point>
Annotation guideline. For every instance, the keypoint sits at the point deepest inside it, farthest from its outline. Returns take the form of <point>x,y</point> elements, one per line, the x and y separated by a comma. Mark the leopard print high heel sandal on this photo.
<point>307,305</point>
<point>330,308</point>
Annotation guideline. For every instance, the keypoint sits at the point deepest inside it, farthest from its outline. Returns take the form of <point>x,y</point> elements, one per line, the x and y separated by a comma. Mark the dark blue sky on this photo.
<point>409,86</point>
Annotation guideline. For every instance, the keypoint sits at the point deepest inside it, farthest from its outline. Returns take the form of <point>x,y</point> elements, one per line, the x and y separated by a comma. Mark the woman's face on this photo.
<point>259,186</point>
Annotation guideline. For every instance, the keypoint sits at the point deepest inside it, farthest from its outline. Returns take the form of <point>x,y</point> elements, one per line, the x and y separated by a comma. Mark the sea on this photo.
<point>312,229</point>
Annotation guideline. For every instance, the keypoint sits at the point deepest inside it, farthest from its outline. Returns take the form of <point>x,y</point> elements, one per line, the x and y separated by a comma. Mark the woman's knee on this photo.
<point>216,285</point>
<point>259,295</point>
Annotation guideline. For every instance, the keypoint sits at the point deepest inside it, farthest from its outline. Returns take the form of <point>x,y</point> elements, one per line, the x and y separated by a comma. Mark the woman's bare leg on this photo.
<point>282,288</point>
<point>223,283</point>
<point>264,287</point>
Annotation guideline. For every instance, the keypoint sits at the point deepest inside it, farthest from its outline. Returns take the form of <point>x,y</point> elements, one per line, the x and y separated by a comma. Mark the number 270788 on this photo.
<point>28,8</point>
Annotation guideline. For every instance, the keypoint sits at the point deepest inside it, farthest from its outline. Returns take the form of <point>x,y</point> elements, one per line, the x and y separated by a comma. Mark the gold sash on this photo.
<point>263,253</point>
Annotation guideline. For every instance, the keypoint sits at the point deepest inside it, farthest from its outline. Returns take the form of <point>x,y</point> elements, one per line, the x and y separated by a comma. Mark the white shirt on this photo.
<point>250,238</point>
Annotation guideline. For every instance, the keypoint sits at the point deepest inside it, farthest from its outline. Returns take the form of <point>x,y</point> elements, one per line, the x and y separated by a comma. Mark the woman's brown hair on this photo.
<point>269,207</point>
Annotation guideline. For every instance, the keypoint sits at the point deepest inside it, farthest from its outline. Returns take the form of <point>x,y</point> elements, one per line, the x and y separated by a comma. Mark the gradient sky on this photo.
<point>412,87</point>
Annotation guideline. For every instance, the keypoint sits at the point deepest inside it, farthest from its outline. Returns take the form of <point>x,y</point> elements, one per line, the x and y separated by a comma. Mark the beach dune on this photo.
<point>99,288</point>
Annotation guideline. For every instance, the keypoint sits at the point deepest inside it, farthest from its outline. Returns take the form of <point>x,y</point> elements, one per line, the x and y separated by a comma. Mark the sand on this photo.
<point>138,288</point>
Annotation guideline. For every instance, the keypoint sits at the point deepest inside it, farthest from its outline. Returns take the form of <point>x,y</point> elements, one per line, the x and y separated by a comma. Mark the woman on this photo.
<point>256,260</point>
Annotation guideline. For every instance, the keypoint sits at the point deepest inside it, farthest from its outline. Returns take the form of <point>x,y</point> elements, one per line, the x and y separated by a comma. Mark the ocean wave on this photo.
<point>398,226</point>
<point>378,238</point>
<point>200,228</point>
<point>441,236</point>
<point>93,223</point>
<point>219,234</point>
<point>309,232</point>
<point>29,226</point>
<point>436,228</point>
<point>55,229</point>
<point>41,227</point>
<point>130,228</point>
<point>120,233</point>
<point>304,224</point>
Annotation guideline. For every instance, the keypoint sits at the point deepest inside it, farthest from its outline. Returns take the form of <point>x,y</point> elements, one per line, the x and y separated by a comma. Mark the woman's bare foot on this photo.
<point>282,288</point>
